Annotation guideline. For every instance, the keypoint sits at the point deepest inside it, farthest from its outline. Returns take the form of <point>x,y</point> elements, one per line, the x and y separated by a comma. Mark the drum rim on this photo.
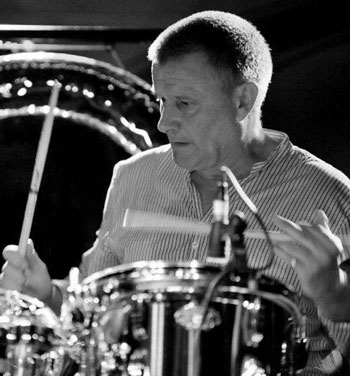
<point>137,266</point>
<point>129,88</point>
<point>55,57</point>
<point>98,279</point>
<point>154,264</point>
<point>90,121</point>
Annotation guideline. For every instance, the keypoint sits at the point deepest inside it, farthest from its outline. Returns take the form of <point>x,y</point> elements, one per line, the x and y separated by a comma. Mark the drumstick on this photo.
<point>164,222</point>
<point>135,218</point>
<point>38,169</point>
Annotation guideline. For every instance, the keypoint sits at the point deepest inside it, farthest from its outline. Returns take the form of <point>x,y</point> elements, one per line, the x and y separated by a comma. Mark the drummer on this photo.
<point>211,73</point>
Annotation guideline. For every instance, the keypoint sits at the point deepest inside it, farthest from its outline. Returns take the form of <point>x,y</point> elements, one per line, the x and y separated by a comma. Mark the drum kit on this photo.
<point>146,318</point>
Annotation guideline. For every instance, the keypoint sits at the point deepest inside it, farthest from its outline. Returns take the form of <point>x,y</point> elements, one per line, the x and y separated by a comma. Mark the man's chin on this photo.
<point>182,161</point>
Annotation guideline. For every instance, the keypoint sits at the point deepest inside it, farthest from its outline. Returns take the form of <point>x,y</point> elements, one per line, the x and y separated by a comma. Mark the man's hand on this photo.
<point>313,250</point>
<point>28,274</point>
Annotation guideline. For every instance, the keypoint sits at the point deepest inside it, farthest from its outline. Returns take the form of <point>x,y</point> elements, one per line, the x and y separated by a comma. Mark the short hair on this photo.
<point>231,44</point>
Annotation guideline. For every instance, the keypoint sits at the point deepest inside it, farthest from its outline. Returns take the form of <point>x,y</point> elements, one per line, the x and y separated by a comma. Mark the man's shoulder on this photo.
<point>317,167</point>
<point>147,160</point>
<point>158,153</point>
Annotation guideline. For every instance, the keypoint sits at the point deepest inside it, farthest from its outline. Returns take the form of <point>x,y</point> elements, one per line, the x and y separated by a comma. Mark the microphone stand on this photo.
<point>227,249</point>
<point>238,265</point>
<point>197,317</point>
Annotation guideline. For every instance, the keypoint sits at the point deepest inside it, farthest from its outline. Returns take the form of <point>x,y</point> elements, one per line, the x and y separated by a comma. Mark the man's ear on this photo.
<point>245,97</point>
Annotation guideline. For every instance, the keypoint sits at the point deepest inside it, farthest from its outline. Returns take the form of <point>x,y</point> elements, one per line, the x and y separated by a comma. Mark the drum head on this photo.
<point>105,114</point>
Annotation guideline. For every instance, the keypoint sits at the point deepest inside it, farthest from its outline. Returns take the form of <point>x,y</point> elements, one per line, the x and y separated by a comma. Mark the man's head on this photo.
<point>210,73</point>
<point>232,45</point>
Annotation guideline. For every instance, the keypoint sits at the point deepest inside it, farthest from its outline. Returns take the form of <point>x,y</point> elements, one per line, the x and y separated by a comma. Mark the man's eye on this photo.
<point>183,103</point>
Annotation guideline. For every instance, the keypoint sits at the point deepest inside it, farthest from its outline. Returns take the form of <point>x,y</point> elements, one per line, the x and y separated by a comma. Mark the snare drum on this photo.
<point>31,339</point>
<point>136,318</point>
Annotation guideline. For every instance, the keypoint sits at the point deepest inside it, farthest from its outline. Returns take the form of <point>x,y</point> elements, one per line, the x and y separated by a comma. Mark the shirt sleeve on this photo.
<point>101,255</point>
<point>104,252</point>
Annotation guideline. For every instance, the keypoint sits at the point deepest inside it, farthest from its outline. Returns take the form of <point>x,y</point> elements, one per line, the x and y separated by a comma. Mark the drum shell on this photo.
<point>163,347</point>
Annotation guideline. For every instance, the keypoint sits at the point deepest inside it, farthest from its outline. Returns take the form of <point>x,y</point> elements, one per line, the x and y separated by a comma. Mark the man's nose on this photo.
<point>169,121</point>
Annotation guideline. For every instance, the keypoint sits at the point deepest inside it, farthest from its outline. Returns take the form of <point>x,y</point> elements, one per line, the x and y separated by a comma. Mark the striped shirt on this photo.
<point>291,182</point>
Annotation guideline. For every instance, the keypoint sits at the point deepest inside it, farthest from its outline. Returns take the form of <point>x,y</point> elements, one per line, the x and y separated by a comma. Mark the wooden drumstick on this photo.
<point>163,222</point>
<point>38,169</point>
<point>135,218</point>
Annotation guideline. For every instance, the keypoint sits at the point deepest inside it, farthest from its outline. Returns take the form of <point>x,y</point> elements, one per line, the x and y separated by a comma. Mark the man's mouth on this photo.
<point>179,143</point>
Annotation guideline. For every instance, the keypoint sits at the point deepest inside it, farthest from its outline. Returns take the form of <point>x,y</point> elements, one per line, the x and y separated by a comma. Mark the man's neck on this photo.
<point>253,151</point>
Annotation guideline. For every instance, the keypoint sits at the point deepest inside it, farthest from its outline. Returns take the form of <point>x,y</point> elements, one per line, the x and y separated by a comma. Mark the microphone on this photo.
<point>218,238</point>
<point>238,260</point>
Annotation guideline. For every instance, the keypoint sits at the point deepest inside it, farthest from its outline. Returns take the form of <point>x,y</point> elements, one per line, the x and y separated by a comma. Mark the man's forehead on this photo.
<point>176,84</point>
<point>184,74</point>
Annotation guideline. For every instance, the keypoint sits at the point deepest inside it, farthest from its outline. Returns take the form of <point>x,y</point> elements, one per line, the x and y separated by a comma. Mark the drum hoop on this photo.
<point>32,58</point>
<point>146,265</point>
<point>140,267</point>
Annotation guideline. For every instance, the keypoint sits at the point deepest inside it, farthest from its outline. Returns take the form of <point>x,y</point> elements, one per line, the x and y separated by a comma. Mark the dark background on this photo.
<point>308,99</point>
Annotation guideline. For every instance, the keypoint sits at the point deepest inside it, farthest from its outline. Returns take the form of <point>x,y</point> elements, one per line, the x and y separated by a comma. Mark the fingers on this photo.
<point>321,219</point>
<point>310,245</point>
<point>291,254</point>
<point>16,268</point>
<point>317,235</point>
<point>321,237</point>
<point>293,229</point>
<point>292,249</point>
<point>31,258</point>
<point>31,255</point>
<point>289,227</point>
<point>11,255</point>
<point>12,278</point>
<point>285,254</point>
<point>28,274</point>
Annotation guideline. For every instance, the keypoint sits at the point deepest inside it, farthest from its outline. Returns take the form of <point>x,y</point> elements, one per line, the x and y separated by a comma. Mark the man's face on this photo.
<point>196,114</point>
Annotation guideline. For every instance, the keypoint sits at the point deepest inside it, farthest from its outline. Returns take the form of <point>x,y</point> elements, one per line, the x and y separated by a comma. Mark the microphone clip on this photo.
<point>219,239</point>
<point>238,257</point>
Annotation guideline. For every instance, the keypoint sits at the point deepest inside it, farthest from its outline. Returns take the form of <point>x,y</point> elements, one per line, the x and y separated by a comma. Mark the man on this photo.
<point>211,72</point>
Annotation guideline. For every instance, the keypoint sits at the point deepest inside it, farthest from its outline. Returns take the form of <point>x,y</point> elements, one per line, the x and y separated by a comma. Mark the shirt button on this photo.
<point>195,245</point>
